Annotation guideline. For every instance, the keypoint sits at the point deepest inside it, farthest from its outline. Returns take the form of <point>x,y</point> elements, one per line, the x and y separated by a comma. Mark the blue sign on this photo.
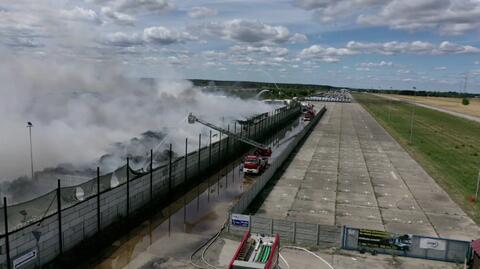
<point>241,220</point>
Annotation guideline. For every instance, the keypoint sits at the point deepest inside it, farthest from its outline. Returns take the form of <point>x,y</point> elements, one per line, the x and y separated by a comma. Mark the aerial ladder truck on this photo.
<point>253,164</point>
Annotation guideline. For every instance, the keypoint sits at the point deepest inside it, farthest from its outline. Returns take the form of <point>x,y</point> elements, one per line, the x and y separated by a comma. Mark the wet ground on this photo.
<point>169,238</point>
<point>351,172</point>
<point>225,247</point>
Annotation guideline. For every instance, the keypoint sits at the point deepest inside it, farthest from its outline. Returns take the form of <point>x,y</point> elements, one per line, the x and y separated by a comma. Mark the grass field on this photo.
<point>448,147</point>
<point>448,103</point>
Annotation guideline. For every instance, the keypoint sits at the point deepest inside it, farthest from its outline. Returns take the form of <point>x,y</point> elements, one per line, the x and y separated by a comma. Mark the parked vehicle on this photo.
<point>254,164</point>
<point>309,113</point>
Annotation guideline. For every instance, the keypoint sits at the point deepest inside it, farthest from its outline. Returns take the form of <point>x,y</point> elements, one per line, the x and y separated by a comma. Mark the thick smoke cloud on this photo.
<point>84,115</point>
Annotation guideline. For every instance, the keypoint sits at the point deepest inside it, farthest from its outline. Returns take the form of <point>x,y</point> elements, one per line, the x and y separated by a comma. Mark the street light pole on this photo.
<point>29,126</point>
<point>412,119</point>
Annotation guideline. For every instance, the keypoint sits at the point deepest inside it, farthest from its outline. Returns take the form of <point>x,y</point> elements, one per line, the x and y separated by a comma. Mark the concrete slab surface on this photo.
<point>351,172</point>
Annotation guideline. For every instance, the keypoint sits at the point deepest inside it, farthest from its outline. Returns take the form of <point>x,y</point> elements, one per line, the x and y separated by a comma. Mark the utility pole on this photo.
<point>465,83</point>
<point>478,186</point>
<point>389,105</point>
<point>412,118</point>
<point>29,126</point>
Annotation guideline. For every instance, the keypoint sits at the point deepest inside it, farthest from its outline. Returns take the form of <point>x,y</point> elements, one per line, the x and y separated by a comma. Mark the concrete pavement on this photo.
<point>351,172</point>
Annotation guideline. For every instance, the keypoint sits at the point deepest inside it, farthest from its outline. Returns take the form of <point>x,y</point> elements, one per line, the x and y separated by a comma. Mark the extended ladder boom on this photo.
<point>192,119</point>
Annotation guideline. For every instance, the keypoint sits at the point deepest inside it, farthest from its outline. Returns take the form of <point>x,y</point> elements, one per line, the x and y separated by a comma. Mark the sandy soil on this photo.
<point>448,103</point>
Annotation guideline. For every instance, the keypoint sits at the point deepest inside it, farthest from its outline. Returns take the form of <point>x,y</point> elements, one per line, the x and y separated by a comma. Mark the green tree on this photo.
<point>465,101</point>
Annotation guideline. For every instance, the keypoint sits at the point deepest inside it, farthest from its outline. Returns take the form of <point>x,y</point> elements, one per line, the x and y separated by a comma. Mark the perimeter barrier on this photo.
<point>35,232</point>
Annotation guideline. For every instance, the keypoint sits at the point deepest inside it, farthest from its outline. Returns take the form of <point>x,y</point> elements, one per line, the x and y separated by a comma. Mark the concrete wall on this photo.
<point>309,234</point>
<point>290,231</point>
<point>79,220</point>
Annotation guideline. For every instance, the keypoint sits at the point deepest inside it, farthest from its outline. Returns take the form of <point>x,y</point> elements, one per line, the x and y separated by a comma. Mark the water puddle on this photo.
<point>170,236</point>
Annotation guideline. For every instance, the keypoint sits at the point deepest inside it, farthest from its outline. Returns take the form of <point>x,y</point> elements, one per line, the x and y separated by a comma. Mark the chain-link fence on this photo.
<point>37,229</point>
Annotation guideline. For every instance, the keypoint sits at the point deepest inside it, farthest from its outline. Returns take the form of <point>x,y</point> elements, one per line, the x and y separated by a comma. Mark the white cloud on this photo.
<point>177,60</point>
<point>213,64</point>
<point>331,10</point>
<point>440,68</point>
<point>298,38</point>
<point>124,40</point>
<point>447,47</point>
<point>273,51</point>
<point>248,31</point>
<point>415,47</point>
<point>26,42</point>
<point>375,64</point>
<point>325,54</point>
<point>152,35</point>
<point>211,54</point>
<point>142,6</point>
<point>392,47</point>
<point>164,36</point>
<point>118,17</point>
<point>450,17</point>
<point>80,14</point>
<point>201,12</point>
<point>331,54</point>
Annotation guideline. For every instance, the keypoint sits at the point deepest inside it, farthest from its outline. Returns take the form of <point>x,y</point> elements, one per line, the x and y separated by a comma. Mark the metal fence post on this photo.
<point>228,221</point>
<point>218,184</point>
<point>228,142</point>
<point>169,189</point>
<point>98,199</point>
<point>199,168</point>
<point>7,239</point>
<point>169,172</point>
<point>294,234</point>
<point>219,153</point>
<point>185,184</point>
<point>210,151</point>
<point>233,172</point>
<point>271,227</point>
<point>234,140</point>
<point>59,216</point>
<point>151,177</point>
<point>318,234</point>
<point>128,187</point>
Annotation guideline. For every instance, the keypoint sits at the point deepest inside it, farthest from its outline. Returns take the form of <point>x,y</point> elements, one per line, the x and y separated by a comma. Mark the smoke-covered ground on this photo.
<point>88,115</point>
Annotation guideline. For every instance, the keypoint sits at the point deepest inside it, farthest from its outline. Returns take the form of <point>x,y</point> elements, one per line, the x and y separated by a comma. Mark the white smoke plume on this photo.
<point>79,111</point>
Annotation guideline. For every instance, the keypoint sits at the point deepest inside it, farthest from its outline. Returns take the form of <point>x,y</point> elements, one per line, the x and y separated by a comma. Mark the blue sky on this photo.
<point>429,44</point>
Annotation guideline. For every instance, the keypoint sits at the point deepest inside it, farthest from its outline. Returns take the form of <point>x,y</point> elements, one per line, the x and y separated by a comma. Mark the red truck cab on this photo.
<point>310,112</point>
<point>254,164</point>
<point>264,152</point>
